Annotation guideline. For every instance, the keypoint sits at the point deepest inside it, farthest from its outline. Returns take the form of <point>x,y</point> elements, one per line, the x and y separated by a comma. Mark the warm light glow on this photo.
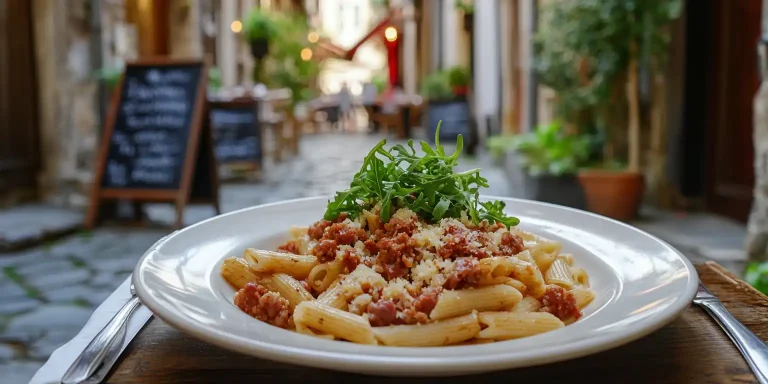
<point>306,54</point>
<point>236,26</point>
<point>313,37</point>
<point>390,34</point>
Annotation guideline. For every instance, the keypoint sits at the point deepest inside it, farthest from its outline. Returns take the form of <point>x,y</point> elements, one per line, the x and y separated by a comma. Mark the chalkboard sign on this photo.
<point>236,131</point>
<point>456,119</point>
<point>155,145</point>
<point>151,132</point>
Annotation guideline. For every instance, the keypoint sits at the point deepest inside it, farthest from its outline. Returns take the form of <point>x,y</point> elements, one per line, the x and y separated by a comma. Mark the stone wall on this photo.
<point>67,98</point>
<point>757,227</point>
<point>68,91</point>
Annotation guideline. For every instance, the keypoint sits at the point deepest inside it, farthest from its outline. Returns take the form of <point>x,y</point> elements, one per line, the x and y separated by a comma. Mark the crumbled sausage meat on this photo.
<point>559,302</point>
<point>269,307</point>
<point>382,313</point>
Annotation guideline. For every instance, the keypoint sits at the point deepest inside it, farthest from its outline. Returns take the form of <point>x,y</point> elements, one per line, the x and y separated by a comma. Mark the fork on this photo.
<point>753,349</point>
<point>103,346</point>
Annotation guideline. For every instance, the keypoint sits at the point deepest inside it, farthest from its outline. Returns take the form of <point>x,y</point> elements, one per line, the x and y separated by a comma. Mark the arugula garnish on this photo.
<point>400,178</point>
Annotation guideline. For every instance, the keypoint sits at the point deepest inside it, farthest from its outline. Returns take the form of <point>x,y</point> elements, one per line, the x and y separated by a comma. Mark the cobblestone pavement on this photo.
<point>48,293</point>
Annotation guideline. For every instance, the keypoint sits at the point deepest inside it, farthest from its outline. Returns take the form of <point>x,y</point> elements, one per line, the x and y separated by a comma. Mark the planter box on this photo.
<point>456,119</point>
<point>560,190</point>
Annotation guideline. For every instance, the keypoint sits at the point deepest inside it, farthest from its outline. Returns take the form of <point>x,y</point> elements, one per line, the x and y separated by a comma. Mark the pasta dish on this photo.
<point>409,256</point>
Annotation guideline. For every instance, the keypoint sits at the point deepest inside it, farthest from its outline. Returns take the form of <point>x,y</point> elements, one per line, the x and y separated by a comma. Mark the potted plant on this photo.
<point>285,67</point>
<point>442,104</point>
<point>568,48</point>
<point>458,78</point>
<point>109,76</point>
<point>548,159</point>
<point>259,30</point>
<point>467,8</point>
<point>380,83</point>
<point>214,79</point>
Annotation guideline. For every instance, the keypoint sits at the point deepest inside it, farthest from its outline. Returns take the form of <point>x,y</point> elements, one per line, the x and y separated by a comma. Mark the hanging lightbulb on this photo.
<point>306,54</point>
<point>236,26</point>
<point>390,34</point>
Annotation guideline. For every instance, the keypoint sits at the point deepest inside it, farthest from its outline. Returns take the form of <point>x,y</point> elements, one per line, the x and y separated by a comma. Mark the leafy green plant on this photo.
<point>757,276</point>
<point>284,66</point>
<point>436,86</point>
<point>499,145</point>
<point>259,25</point>
<point>110,76</point>
<point>458,76</point>
<point>464,6</point>
<point>399,177</point>
<point>379,82</point>
<point>214,79</point>
<point>586,49</point>
<point>548,150</point>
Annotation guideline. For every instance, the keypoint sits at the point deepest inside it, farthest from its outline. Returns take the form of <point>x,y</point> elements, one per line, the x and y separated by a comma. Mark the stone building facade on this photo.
<point>73,39</point>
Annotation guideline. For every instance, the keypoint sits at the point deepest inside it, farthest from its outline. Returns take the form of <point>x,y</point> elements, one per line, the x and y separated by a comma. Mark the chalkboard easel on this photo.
<point>156,144</point>
<point>237,133</point>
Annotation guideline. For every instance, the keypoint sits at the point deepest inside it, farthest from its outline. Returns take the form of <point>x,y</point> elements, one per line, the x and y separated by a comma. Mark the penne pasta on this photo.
<point>332,321</point>
<point>323,275</point>
<point>408,263</point>
<point>290,288</point>
<point>559,273</point>
<point>498,266</point>
<point>527,304</point>
<point>542,259</point>
<point>300,328</point>
<point>546,246</point>
<point>461,302</point>
<point>237,272</point>
<point>435,334</point>
<point>583,296</point>
<point>334,296</point>
<point>528,272</point>
<point>298,231</point>
<point>506,325</point>
<point>580,276</point>
<point>297,266</point>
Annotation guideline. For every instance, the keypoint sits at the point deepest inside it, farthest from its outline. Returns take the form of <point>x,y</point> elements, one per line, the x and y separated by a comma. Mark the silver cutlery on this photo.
<point>102,348</point>
<point>754,350</point>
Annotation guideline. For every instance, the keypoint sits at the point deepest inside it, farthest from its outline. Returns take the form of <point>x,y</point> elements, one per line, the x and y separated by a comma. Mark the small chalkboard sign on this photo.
<point>456,119</point>
<point>155,145</point>
<point>236,132</point>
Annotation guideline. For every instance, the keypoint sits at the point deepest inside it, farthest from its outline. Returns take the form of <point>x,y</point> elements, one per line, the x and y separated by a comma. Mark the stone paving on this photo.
<point>47,293</point>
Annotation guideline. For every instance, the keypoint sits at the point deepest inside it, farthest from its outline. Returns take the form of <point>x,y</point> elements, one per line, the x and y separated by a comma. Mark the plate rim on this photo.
<point>409,366</point>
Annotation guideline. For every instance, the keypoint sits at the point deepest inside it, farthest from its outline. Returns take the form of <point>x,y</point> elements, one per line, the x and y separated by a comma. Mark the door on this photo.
<point>19,150</point>
<point>732,83</point>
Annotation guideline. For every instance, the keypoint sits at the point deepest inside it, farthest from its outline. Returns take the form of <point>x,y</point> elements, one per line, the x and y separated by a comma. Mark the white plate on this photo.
<point>641,284</point>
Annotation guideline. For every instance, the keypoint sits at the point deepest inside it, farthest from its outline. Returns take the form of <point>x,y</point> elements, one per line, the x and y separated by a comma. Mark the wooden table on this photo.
<point>692,349</point>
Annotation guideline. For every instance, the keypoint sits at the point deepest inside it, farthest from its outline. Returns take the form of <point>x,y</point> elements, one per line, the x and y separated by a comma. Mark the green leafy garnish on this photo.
<point>398,177</point>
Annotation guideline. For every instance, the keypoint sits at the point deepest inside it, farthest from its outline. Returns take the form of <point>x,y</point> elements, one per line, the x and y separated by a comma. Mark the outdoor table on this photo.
<point>691,349</point>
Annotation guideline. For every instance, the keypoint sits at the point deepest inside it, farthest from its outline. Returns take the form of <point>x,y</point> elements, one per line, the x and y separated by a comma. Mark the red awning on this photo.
<point>379,28</point>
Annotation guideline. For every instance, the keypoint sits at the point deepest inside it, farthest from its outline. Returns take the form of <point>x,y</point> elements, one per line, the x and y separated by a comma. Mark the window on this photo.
<point>341,17</point>
<point>356,17</point>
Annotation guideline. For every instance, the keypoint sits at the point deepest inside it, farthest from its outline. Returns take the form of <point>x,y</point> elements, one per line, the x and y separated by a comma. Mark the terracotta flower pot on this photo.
<point>613,194</point>
<point>460,90</point>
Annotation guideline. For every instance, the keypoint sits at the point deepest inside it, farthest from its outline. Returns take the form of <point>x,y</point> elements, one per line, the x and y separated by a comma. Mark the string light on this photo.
<point>313,37</point>
<point>390,34</point>
<point>236,26</point>
<point>306,54</point>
